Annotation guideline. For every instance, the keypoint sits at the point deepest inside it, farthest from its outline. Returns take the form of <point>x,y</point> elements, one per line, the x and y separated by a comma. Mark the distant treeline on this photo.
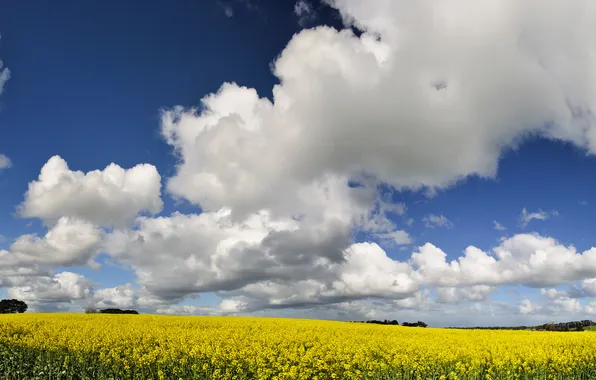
<point>562,326</point>
<point>110,311</point>
<point>395,323</point>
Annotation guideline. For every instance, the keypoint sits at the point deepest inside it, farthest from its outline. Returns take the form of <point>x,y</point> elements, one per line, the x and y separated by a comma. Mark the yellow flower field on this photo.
<point>79,346</point>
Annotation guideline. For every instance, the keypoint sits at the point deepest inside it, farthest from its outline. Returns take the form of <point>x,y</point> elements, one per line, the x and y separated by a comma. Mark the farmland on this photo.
<point>78,346</point>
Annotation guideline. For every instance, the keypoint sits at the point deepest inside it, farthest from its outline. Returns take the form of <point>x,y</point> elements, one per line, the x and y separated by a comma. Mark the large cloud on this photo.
<point>113,196</point>
<point>431,93</point>
<point>183,254</point>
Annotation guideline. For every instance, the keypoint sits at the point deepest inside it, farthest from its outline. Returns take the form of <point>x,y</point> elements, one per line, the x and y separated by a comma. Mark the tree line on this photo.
<point>394,323</point>
<point>109,311</point>
<point>562,326</point>
<point>13,306</point>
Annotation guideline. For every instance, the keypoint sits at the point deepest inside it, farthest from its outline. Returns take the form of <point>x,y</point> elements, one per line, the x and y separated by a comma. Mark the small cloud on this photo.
<point>5,162</point>
<point>4,76</point>
<point>228,6</point>
<point>399,237</point>
<point>305,12</point>
<point>499,226</point>
<point>432,221</point>
<point>526,217</point>
<point>431,192</point>
<point>228,10</point>
<point>583,203</point>
<point>526,307</point>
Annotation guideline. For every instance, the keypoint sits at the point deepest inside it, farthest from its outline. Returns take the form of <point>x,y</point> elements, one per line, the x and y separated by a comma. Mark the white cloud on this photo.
<point>589,287</point>
<point>43,293</point>
<point>524,259</point>
<point>188,310</point>
<point>432,221</point>
<point>553,294</point>
<point>69,242</point>
<point>283,265</point>
<point>526,217</point>
<point>377,101</point>
<point>590,308</point>
<point>4,76</point>
<point>305,12</point>
<point>378,222</point>
<point>499,226</point>
<point>5,162</point>
<point>229,6</point>
<point>113,196</point>
<point>123,296</point>
<point>555,307</point>
<point>527,307</point>
<point>184,254</point>
<point>399,237</point>
<point>456,295</point>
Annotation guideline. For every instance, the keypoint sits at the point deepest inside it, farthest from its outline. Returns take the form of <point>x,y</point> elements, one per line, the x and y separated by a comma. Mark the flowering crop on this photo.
<point>79,346</point>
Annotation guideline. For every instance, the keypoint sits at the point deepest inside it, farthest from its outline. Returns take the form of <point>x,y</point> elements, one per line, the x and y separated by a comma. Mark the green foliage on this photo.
<point>12,306</point>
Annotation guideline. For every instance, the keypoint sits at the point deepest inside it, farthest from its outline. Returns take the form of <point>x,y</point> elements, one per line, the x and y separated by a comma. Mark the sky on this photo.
<point>329,159</point>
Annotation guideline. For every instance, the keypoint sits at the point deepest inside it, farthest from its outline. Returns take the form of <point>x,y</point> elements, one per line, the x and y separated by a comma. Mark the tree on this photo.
<point>118,311</point>
<point>414,324</point>
<point>12,306</point>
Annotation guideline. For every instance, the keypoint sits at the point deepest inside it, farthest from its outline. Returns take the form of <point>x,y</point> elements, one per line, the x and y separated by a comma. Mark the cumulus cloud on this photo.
<point>123,296</point>
<point>375,98</point>
<point>48,292</point>
<point>526,217</point>
<point>432,221</point>
<point>113,196</point>
<point>211,252</point>
<point>287,268</point>
<point>70,242</point>
<point>557,307</point>
<point>526,259</point>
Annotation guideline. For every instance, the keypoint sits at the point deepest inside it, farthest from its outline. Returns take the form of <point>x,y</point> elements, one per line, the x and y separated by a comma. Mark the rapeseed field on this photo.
<point>79,346</point>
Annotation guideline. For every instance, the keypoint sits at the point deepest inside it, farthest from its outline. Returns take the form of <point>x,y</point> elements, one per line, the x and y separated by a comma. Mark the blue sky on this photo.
<point>95,84</point>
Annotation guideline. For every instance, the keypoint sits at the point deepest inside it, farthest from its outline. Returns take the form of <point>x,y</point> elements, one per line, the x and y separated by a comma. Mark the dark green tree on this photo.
<point>12,306</point>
